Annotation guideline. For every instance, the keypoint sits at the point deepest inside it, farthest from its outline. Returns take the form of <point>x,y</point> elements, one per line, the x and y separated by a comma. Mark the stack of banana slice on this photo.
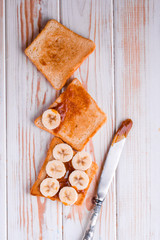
<point>55,169</point>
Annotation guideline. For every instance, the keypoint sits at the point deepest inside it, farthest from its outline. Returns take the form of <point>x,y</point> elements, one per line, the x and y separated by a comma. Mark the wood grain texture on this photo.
<point>3,203</point>
<point>137,84</point>
<point>28,94</point>
<point>93,19</point>
<point>132,72</point>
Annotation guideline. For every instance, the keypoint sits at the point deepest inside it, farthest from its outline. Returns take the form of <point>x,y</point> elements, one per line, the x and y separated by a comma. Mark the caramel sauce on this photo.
<point>81,191</point>
<point>61,108</point>
<point>75,101</point>
<point>64,181</point>
<point>123,131</point>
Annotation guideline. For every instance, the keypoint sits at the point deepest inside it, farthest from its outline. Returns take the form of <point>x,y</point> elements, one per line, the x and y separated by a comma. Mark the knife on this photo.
<point>107,174</point>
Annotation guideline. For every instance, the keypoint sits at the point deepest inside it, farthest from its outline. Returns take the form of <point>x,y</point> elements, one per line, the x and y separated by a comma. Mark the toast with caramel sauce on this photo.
<point>35,190</point>
<point>80,116</point>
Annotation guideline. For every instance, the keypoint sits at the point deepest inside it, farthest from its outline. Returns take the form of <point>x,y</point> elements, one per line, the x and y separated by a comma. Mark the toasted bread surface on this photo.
<point>80,116</point>
<point>35,190</point>
<point>57,52</point>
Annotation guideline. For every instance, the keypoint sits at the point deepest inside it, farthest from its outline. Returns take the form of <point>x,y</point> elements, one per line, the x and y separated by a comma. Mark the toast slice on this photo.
<point>35,190</point>
<point>57,52</point>
<point>80,116</point>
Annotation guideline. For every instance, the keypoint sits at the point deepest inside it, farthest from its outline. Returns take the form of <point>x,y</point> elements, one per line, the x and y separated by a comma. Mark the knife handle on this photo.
<point>93,219</point>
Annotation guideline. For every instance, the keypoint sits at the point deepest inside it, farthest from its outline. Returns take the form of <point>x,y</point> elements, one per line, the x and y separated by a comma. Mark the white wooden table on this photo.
<point>123,76</point>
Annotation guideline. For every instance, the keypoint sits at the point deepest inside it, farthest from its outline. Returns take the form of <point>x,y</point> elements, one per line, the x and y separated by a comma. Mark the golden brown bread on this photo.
<point>57,52</point>
<point>80,116</point>
<point>35,190</point>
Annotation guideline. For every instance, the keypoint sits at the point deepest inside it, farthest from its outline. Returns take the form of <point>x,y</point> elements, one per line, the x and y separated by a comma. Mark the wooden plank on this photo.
<point>28,94</point>
<point>137,47</point>
<point>93,19</point>
<point>2,124</point>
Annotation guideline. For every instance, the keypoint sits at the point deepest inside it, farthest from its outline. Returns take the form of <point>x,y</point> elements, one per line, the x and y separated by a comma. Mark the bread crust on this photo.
<point>83,113</point>
<point>89,45</point>
<point>35,190</point>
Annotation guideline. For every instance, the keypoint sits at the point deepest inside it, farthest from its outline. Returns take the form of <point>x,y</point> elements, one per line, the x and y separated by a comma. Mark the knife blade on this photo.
<point>107,174</point>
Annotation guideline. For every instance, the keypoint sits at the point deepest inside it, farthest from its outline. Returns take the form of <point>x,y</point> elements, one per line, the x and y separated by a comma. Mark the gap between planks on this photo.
<point>114,106</point>
<point>5,117</point>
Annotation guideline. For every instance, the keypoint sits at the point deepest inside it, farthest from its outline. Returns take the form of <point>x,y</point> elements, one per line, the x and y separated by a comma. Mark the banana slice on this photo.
<point>55,169</point>
<point>82,161</point>
<point>49,187</point>
<point>68,195</point>
<point>63,152</point>
<point>79,179</point>
<point>51,119</point>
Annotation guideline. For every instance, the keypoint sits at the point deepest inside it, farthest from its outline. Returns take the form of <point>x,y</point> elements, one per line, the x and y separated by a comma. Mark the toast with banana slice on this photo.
<point>57,52</point>
<point>65,175</point>
<point>76,114</point>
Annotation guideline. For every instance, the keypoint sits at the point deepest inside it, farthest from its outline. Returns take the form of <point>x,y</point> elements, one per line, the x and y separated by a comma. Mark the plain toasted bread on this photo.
<point>35,190</point>
<point>57,52</point>
<point>80,116</point>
